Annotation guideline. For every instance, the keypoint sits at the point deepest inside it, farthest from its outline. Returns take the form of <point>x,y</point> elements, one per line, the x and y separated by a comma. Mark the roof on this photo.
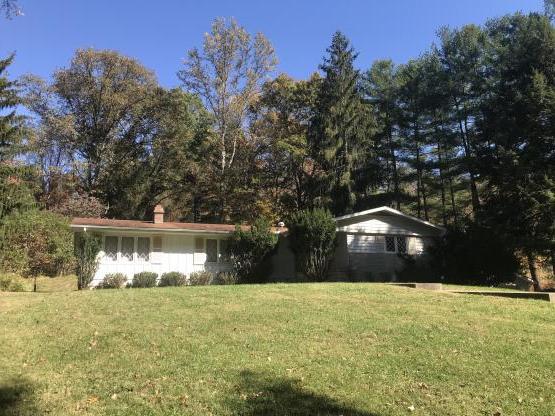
<point>387,211</point>
<point>105,223</point>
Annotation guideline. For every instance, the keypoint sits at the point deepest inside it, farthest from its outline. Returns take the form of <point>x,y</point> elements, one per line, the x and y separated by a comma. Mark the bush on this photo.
<point>200,278</point>
<point>35,243</point>
<point>474,255</point>
<point>114,281</point>
<point>249,250</point>
<point>144,279</point>
<point>312,234</point>
<point>10,282</point>
<point>173,279</point>
<point>87,246</point>
<point>225,278</point>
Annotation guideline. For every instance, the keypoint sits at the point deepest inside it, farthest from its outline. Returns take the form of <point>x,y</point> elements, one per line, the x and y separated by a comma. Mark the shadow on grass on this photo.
<point>262,395</point>
<point>16,397</point>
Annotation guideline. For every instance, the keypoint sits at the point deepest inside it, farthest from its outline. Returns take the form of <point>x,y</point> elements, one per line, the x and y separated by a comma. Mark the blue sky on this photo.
<point>159,33</point>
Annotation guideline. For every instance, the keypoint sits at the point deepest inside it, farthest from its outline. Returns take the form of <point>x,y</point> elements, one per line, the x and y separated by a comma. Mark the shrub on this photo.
<point>200,278</point>
<point>474,254</point>
<point>225,278</point>
<point>312,234</point>
<point>173,279</point>
<point>87,247</point>
<point>144,279</point>
<point>11,282</point>
<point>36,242</point>
<point>249,250</point>
<point>114,281</point>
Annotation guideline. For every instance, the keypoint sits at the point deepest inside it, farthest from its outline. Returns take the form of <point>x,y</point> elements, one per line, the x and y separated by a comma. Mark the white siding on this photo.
<point>177,254</point>
<point>363,243</point>
<point>415,245</point>
<point>384,224</point>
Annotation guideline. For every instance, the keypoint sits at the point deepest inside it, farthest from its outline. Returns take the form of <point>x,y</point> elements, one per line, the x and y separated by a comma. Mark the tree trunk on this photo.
<point>440,166</point>
<point>453,206</point>
<point>424,199</point>
<point>468,161</point>
<point>533,270</point>
<point>418,190</point>
<point>395,173</point>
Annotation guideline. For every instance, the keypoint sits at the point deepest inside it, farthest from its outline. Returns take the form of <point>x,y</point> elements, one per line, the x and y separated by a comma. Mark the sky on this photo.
<point>160,32</point>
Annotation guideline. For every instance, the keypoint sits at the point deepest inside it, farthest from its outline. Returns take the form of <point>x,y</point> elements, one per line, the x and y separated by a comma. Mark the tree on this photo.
<point>227,74</point>
<point>380,88</point>
<point>249,249</point>
<point>414,129</point>
<point>10,8</point>
<point>87,246</point>
<point>15,190</point>
<point>281,118</point>
<point>11,124</point>
<point>104,119</point>
<point>462,56</point>
<point>36,242</point>
<point>337,129</point>
<point>518,127</point>
<point>312,234</point>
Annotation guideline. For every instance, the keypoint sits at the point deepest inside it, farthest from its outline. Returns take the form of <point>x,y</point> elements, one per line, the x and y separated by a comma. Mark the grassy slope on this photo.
<point>350,349</point>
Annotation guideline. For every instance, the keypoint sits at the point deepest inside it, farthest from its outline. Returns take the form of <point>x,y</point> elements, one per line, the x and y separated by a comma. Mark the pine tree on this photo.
<point>380,88</point>
<point>336,132</point>
<point>10,122</point>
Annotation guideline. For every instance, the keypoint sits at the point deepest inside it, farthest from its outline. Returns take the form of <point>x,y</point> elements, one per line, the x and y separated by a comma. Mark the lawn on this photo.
<point>302,349</point>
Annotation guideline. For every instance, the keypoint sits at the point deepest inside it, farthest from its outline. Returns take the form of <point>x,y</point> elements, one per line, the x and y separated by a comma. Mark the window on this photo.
<point>157,243</point>
<point>111,248</point>
<point>359,243</point>
<point>224,251</point>
<point>401,244</point>
<point>143,248</point>
<point>199,256</point>
<point>156,249</point>
<point>390,244</point>
<point>211,250</point>
<point>127,248</point>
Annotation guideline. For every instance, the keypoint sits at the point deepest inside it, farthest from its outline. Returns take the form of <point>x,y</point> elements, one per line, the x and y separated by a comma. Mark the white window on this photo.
<point>127,248</point>
<point>360,243</point>
<point>211,250</point>
<point>199,256</point>
<point>143,248</point>
<point>156,249</point>
<point>111,247</point>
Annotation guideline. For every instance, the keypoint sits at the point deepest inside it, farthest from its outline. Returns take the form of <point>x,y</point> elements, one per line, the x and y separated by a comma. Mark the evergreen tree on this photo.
<point>10,122</point>
<point>380,88</point>
<point>519,129</point>
<point>336,132</point>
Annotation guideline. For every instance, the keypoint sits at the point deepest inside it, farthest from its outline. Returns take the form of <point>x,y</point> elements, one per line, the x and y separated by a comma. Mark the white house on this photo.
<point>368,245</point>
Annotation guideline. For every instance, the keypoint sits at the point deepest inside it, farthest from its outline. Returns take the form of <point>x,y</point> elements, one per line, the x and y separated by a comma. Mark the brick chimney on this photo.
<point>158,214</point>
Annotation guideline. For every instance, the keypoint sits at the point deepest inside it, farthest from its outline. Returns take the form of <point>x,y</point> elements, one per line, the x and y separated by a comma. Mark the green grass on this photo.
<point>303,349</point>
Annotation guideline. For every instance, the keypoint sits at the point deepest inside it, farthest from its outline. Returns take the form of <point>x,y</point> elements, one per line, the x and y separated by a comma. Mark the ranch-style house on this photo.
<point>370,245</point>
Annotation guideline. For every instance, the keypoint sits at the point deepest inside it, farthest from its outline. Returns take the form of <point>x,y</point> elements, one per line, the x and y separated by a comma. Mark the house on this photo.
<point>371,244</point>
<point>368,245</point>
